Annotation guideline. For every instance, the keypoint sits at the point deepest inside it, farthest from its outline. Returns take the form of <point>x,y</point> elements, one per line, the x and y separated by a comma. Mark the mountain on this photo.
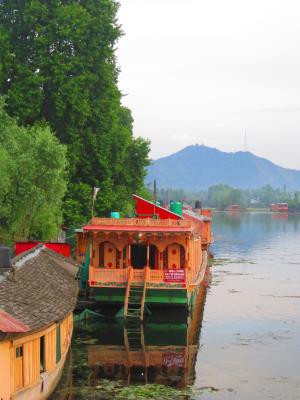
<point>198,167</point>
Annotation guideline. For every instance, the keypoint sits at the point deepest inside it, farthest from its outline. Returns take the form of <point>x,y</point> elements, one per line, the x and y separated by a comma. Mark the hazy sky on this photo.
<point>197,71</point>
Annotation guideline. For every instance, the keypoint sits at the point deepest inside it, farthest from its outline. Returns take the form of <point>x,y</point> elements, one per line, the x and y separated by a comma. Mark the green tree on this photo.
<point>60,67</point>
<point>32,181</point>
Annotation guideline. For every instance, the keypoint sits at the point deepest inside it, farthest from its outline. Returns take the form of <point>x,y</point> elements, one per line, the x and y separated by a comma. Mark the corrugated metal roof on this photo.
<point>191,214</point>
<point>9,324</point>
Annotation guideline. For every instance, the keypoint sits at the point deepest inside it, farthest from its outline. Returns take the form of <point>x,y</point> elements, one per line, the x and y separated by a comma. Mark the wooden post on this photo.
<point>148,254</point>
<point>121,259</point>
<point>129,255</point>
<point>93,250</point>
<point>160,257</point>
<point>186,256</point>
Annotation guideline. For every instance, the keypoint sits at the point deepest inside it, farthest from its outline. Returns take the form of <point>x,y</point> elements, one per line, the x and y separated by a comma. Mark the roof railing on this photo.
<point>141,222</point>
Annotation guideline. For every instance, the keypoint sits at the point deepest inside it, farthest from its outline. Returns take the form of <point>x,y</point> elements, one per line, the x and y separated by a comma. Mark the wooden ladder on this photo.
<point>135,297</point>
<point>134,341</point>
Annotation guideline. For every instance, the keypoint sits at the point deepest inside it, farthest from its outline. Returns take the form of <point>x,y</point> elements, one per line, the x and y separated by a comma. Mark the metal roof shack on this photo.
<point>42,290</point>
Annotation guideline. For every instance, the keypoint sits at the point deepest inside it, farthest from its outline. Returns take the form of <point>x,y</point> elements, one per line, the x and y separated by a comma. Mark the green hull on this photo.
<point>177,297</point>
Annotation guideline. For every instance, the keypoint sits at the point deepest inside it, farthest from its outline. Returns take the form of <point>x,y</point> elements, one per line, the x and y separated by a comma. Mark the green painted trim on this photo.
<point>58,344</point>
<point>161,296</point>
<point>108,295</point>
<point>153,296</point>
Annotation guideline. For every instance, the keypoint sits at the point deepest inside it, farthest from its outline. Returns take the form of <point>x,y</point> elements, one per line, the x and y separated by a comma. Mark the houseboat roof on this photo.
<point>144,208</point>
<point>42,290</point>
<point>140,225</point>
<point>188,214</point>
<point>11,324</point>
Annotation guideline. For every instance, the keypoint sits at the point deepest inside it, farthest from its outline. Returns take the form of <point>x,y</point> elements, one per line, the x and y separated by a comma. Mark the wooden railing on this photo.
<point>108,275</point>
<point>138,275</point>
<point>156,275</point>
<point>100,355</point>
<point>141,222</point>
<point>194,276</point>
<point>122,275</point>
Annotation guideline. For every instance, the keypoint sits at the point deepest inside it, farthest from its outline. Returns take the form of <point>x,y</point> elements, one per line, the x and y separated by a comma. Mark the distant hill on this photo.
<point>198,167</point>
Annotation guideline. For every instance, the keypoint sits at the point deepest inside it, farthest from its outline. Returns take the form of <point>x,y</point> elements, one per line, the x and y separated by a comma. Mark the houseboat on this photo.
<point>280,207</point>
<point>38,292</point>
<point>157,258</point>
<point>233,208</point>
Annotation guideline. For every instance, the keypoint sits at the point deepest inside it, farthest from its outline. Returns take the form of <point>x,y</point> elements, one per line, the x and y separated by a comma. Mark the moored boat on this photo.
<point>38,292</point>
<point>157,258</point>
<point>233,208</point>
<point>280,207</point>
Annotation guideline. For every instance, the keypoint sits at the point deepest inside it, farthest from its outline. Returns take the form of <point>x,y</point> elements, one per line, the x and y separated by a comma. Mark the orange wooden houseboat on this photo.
<point>158,257</point>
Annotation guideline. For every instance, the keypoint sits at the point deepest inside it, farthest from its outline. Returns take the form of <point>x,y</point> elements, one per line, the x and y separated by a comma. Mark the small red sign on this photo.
<point>174,360</point>
<point>174,275</point>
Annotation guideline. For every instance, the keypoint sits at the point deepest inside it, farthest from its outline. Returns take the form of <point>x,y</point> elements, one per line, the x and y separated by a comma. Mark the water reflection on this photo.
<point>161,351</point>
<point>250,337</point>
<point>242,233</point>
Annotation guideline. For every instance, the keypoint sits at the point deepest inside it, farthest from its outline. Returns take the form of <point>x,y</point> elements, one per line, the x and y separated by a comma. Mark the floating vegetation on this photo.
<point>115,390</point>
<point>226,261</point>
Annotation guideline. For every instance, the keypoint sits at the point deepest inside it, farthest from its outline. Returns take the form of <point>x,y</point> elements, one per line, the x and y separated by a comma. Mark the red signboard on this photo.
<point>174,360</point>
<point>174,275</point>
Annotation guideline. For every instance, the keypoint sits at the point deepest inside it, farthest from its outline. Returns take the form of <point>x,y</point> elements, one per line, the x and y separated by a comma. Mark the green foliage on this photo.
<point>223,195</point>
<point>60,67</point>
<point>220,196</point>
<point>32,181</point>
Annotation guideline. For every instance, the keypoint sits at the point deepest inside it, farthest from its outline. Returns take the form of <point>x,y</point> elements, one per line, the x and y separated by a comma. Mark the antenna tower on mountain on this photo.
<point>245,142</point>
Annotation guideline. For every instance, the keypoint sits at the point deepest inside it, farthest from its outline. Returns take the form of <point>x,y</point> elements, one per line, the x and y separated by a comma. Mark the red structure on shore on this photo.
<point>63,249</point>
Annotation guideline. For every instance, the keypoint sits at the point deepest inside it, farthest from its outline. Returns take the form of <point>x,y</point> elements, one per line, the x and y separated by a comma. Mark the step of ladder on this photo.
<point>135,299</point>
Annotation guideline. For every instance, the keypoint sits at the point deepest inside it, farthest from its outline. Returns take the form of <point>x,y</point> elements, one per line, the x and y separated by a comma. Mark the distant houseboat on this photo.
<point>157,258</point>
<point>280,207</point>
<point>233,208</point>
<point>38,292</point>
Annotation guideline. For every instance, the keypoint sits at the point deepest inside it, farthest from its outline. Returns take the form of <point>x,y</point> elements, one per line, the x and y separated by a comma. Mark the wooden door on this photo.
<point>174,256</point>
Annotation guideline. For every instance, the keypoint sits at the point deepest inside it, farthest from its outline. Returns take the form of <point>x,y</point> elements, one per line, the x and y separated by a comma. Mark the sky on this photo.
<point>195,71</point>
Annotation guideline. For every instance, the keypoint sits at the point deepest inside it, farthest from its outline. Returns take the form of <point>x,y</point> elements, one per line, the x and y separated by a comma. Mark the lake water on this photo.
<point>241,342</point>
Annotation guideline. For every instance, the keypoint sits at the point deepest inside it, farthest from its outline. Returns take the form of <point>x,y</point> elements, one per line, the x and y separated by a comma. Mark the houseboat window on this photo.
<point>42,354</point>
<point>19,351</point>
<point>58,344</point>
<point>174,256</point>
<point>139,256</point>
<point>19,379</point>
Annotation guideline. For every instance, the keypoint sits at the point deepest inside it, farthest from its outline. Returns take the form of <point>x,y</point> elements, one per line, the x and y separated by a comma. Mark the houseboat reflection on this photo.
<point>163,353</point>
